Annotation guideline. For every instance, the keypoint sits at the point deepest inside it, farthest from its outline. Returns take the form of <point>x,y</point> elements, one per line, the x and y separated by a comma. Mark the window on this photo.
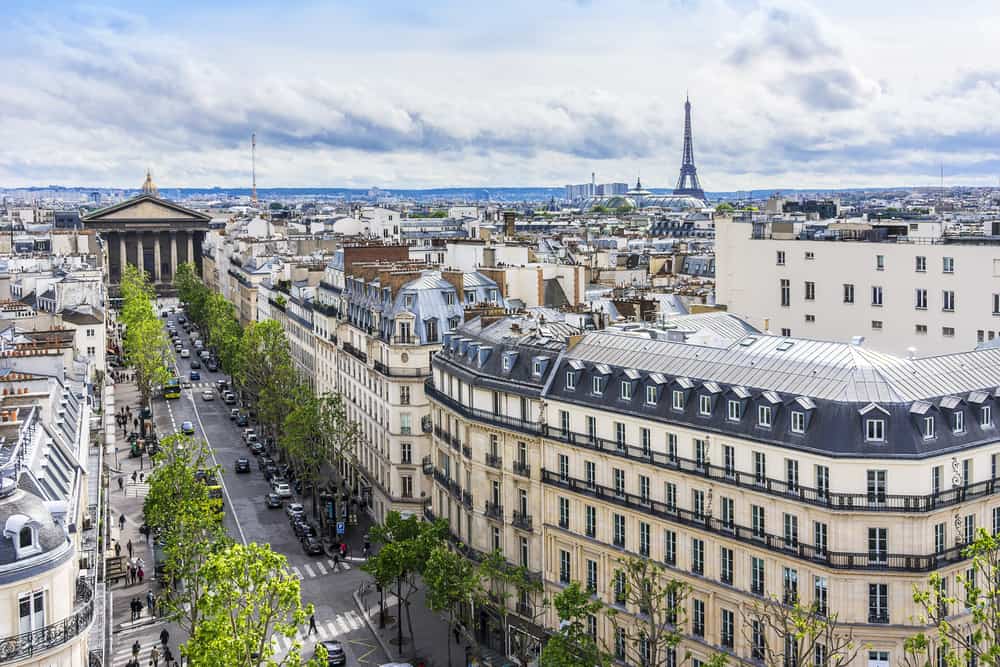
<point>798,421</point>
<point>407,486</point>
<point>618,476</point>
<point>948,301</point>
<point>700,452</point>
<point>764,416</point>
<point>878,603</point>
<point>669,547</point>
<point>928,427</point>
<point>620,435</point>
<point>876,295</point>
<point>596,385</point>
<point>31,610</point>
<point>619,530</point>
<point>880,262</point>
<point>404,424</point>
<point>920,328</point>
<point>626,390</point>
<point>570,378</point>
<point>620,643</point>
<point>563,566</point>
<point>921,264</point>
<point>786,332</point>
<point>645,439</point>
<point>875,430</point>
<point>810,318</point>
<point>809,254</point>
<point>563,512</point>
<point>677,399</point>
<point>786,292</point>
<point>726,565</point>
<point>876,487</point>
<point>948,332</point>
<point>644,487</point>
<point>729,460</point>
<point>958,421</point>
<point>996,304</point>
<point>734,410</point>
<point>810,291</point>
<point>820,595</point>
<point>920,299</point>
<point>792,475</point>
<point>848,293</point>
<point>986,417</point>
<point>405,453</point>
<point>524,551</point>
<point>497,402</point>
<point>651,395</point>
<point>670,496</point>
<point>91,350</point>
<point>939,537</point>
<point>878,659</point>
<point>970,528</point>
<point>698,504</point>
<point>756,575</point>
<point>564,421</point>
<point>619,587</point>
<point>757,650</point>
<point>705,405</point>
<point>819,538</point>
<point>644,539</point>
<point>789,585</point>
<point>822,481</point>
<point>780,258</point>
<point>757,521</point>
<point>592,427</point>
<point>563,467</point>
<point>878,545</point>
<point>727,632</point>
<point>759,467</point>
<point>590,473</point>
<point>698,618</point>
<point>590,520</point>
<point>591,576</point>
<point>948,264</point>
<point>877,325</point>
<point>672,447</point>
<point>791,525</point>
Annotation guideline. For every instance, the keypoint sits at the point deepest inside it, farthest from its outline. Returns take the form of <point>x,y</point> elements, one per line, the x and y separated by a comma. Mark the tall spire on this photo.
<point>687,183</point>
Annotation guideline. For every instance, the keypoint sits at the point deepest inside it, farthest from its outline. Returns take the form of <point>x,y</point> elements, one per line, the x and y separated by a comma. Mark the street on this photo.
<point>248,519</point>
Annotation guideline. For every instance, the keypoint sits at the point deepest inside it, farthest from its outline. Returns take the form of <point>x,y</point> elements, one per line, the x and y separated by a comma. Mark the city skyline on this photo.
<point>793,95</point>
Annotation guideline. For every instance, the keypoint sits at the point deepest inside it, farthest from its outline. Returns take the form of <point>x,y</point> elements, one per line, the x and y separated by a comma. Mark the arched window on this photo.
<point>25,538</point>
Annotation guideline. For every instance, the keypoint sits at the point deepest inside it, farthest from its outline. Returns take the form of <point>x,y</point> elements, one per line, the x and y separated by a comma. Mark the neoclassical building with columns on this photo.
<point>151,232</point>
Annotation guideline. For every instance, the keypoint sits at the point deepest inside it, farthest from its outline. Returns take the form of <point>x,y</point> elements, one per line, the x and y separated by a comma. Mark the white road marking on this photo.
<point>332,629</point>
<point>297,573</point>
<point>330,563</point>
<point>342,624</point>
<point>309,571</point>
<point>319,566</point>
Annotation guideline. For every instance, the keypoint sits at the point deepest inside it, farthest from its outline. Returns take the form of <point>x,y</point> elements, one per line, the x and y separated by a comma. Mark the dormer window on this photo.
<point>408,301</point>
<point>571,380</point>
<point>650,395</point>
<point>22,531</point>
<point>449,298</point>
<point>958,421</point>
<point>506,362</point>
<point>985,417</point>
<point>536,368</point>
<point>734,410</point>
<point>493,296</point>
<point>929,427</point>
<point>764,416</point>
<point>470,296</point>
<point>704,405</point>
<point>677,399</point>
<point>798,421</point>
<point>626,390</point>
<point>596,385</point>
<point>26,538</point>
<point>875,430</point>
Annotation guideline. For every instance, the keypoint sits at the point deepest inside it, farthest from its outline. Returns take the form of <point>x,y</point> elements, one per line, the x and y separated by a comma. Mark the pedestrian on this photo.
<point>343,550</point>
<point>131,604</point>
<point>121,484</point>
<point>142,475</point>
<point>118,548</point>
<point>150,601</point>
<point>312,624</point>
<point>336,561</point>
<point>140,573</point>
<point>131,574</point>
<point>129,547</point>
<point>135,650</point>
<point>135,475</point>
<point>168,657</point>
<point>138,609</point>
<point>458,636</point>
<point>154,656</point>
<point>121,522</point>
<point>164,638</point>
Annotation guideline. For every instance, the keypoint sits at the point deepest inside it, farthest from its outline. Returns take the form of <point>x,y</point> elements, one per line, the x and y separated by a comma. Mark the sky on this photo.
<point>403,94</point>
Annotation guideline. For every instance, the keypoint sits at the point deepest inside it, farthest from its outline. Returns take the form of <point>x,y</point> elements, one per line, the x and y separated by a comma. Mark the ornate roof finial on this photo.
<point>148,187</point>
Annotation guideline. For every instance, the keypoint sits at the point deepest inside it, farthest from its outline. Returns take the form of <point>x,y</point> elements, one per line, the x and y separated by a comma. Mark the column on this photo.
<point>173,255</point>
<point>140,251</point>
<point>122,255</point>
<point>190,258</point>
<point>156,257</point>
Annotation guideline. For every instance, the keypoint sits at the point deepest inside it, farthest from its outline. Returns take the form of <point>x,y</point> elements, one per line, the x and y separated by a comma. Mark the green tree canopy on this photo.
<point>449,580</point>
<point>572,645</point>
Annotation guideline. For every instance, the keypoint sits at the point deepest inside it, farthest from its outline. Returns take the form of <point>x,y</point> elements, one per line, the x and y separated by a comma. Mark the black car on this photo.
<point>242,420</point>
<point>256,448</point>
<point>273,501</point>
<point>242,464</point>
<point>263,462</point>
<point>270,471</point>
<point>195,363</point>
<point>212,365</point>
<point>312,546</point>
<point>303,529</point>
<point>334,653</point>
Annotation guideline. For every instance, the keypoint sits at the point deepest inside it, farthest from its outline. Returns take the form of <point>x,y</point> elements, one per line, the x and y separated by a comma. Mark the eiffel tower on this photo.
<point>687,183</point>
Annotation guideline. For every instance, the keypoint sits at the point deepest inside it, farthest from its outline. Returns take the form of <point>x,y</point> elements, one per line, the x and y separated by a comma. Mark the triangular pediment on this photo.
<point>146,207</point>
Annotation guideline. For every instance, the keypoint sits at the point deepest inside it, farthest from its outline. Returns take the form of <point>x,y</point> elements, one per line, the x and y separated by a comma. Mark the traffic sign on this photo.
<point>340,528</point>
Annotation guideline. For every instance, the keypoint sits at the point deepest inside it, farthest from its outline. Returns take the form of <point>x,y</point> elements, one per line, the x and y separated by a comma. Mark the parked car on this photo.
<point>195,376</point>
<point>312,546</point>
<point>234,413</point>
<point>241,420</point>
<point>294,510</point>
<point>256,448</point>
<point>273,501</point>
<point>177,347</point>
<point>205,354</point>
<point>180,319</point>
<point>264,461</point>
<point>187,427</point>
<point>247,432</point>
<point>195,363</point>
<point>229,398</point>
<point>270,471</point>
<point>208,395</point>
<point>242,464</point>
<point>335,656</point>
<point>185,353</point>
<point>252,438</point>
<point>212,365</point>
<point>303,528</point>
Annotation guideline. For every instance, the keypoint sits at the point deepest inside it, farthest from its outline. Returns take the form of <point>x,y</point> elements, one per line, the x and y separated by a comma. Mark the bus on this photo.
<point>172,389</point>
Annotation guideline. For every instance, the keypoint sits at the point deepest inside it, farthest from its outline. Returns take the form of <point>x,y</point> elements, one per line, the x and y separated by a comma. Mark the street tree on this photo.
<point>147,352</point>
<point>793,635</point>
<point>972,636</point>
<point>223,330</point>
<point>251,598</point>
<point>173,484</point>
<point>266,373</point>
<point>503,585</point>
<point>449,582</point>
<point>572,644</point>
<point>304,440</point>
<point>191,291</point>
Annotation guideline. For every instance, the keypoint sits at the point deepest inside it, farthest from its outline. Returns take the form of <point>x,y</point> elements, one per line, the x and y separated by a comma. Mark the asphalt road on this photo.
<point>248,519</point>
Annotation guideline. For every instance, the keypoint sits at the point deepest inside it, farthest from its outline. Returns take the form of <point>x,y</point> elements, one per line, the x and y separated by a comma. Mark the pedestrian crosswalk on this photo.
<point>342,624</point>
<point>123,651</point>
<point>319,568</point>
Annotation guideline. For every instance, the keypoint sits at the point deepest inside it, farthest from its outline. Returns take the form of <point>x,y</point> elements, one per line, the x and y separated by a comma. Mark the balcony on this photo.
<point>494,461</point>
<point>848,502</point>
<point>522,521</point>
<point>350,349</point>
<point>493,511</point>
<point>840,560</point>
<point>525,609</point>
<point>521,468</point>
<point>481,415</point>
<point>467,499</point>
<point>455,443</point>
<point>16,648</point>
<point>466,451</point>
<point>397,371</point>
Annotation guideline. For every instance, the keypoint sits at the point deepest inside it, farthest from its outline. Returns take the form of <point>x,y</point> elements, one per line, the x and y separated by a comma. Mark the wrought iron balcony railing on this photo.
<point>27,644</point>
